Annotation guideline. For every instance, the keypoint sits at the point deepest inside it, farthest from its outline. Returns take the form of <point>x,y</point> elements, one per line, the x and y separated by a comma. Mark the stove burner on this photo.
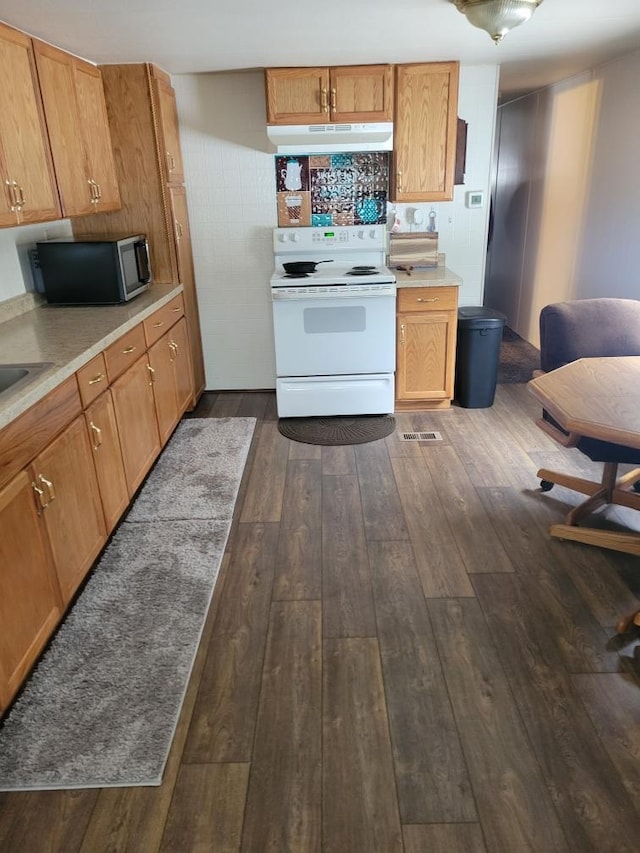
<point>363,267</point>
<point>363,271</point>
<point>296,275</point>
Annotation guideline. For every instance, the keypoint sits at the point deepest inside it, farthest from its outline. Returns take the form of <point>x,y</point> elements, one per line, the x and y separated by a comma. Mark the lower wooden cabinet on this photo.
<point>172,377</point>
<point>30,605</point>
<point>102,429</point>
<point>135,410</point>
<point>69,498</point>
<point>67,476</point>
<point>427,323</point>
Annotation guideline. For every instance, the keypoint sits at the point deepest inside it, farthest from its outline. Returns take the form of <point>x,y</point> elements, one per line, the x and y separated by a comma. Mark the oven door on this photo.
<point>335,335</point>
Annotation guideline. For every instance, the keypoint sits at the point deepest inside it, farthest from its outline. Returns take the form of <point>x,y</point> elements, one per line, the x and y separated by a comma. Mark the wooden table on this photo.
<point>595,398</point>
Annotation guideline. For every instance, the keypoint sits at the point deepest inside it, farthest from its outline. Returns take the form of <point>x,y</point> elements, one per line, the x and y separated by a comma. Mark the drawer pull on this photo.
<point>98,435</point>
<point>402,329</point>
<point>175,310</point>
<point>432,299</point>
<point>49,485</point>
<point>151,376</point>
<point>128,350</point>
<point>157,325</point>
<point>96,379</point>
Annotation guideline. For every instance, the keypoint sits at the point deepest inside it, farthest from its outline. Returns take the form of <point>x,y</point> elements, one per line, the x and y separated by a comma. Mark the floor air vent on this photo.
<point>420,436</point>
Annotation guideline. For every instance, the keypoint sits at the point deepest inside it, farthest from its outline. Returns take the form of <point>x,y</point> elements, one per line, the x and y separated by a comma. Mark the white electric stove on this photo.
<point>334,329</point>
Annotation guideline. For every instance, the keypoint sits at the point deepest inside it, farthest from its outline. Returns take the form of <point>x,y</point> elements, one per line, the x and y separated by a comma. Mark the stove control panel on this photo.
<point>332,238</point>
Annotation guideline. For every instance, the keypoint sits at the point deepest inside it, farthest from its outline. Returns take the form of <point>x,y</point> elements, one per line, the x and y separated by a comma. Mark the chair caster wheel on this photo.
<point>546,485</point>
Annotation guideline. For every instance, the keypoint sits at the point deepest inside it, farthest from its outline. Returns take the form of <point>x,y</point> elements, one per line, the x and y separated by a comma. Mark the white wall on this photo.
<point>230,182</point>
<point>15,273</point>
<point>566,195</point>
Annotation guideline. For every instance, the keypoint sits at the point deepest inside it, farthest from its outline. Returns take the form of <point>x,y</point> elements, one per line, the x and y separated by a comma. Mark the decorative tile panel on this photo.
<point>332,189</point>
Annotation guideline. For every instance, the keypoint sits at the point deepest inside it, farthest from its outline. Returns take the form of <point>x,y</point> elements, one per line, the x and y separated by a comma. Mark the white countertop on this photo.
<point>433,277</point>
<point>67,337</point>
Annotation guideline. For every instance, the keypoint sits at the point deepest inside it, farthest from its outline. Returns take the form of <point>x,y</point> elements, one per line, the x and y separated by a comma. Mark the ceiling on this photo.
<point>563,37</point>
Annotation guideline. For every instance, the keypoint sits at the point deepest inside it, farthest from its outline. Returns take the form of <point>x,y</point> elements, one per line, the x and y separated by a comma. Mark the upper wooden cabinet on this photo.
<point>425,127</point>
<point>144,131</point>
<point>76,115</point>
<point>28,192</point>
<point>169,153</point>
<point>356,93</point>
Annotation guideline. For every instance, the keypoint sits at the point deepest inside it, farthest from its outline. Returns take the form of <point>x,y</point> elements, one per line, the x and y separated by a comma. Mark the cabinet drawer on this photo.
<point>157,324</point>
<point>124,352</point>
<point>427,298</point>
<point>92,380</point>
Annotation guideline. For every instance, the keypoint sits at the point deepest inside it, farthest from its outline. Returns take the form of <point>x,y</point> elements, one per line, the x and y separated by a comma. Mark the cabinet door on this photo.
<point>187,278</point>
<point>107,457</point>
<point>75,110</point>
<point>426,106</point>
<point>179,337</point>
<point>29,597</point>
<point>134,406</point>
<point>361,93</point>
<point>55,72</point>
<point>297,95</point>
<point>161,356</point>
<point>97,138</point>
<point>426,356</point>
<point>169,133</point>
<point>72,509</point>
<point>28,193</point>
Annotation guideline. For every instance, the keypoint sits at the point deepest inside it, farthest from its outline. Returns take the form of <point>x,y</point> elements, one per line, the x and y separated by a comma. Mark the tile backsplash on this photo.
<point>332,189</point>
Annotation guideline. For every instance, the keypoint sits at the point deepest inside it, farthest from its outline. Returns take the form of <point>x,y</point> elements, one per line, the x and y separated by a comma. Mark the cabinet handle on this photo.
<point>324,101</point>
<point>151,376</point>
<point>432,299</point>
<point>96,379</point>
<point>98,435</point>
<point>399,181</point>
<point>402,328</point>
<point>14,202</point>
<point>333,100</point>
<point>175,310</point>
<point>22,201</point>
<point>40,493</point>
<point>98,192</point>
<point>157,325</point>
<point>128,350</point>
<point>49,485</point>
<point>171,163</point>
<point>178,230</point>
<point>94,191</point>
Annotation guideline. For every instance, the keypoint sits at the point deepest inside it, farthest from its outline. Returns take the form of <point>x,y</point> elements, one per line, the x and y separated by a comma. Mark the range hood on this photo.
<point>326,138</point>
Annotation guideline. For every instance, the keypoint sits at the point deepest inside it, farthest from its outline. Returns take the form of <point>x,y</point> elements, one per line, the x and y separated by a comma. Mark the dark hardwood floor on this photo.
<point>398,659</point>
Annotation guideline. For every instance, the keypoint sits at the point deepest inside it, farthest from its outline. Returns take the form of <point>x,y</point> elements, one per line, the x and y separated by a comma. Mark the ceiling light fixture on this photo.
<point>497,17</point>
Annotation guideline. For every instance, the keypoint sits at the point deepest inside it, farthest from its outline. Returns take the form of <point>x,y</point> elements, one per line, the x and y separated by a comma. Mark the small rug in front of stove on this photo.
<point>338,430</point>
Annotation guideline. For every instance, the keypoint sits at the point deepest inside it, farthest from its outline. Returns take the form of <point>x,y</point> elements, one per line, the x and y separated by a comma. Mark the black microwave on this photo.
<point>94,270</point>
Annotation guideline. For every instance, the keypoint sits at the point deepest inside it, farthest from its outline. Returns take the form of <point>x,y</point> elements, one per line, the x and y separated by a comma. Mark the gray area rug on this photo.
<point>102,705</point>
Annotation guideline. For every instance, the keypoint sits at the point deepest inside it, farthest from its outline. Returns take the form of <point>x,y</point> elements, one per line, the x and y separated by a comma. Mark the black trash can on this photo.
<point>477,356</point>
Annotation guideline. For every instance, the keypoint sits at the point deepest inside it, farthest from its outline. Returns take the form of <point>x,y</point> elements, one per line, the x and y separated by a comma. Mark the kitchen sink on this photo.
<point>12,374</point>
